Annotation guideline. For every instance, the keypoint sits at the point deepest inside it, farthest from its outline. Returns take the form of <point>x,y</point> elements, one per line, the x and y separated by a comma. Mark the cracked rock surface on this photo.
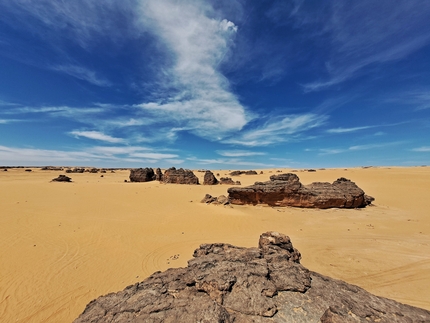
<point>286,190</point>
<point>224,283</point>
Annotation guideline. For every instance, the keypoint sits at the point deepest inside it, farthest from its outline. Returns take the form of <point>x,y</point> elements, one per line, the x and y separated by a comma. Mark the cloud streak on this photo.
<point>360,38</point>
<point>281,129</point>
<point>197,95</point>
<point>96,135</point>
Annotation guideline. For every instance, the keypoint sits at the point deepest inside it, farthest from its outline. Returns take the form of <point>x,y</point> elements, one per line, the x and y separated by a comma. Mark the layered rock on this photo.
<point>209,178</point>
<point>224,283</point>
<point>75,170</point>
<point>62,178</point>
<point>228,181</point>
<point>142,175</point>
<point>158,175</point>
<point>209,199</point>
<point>180,176</point>
<point>240,172</point>
<point>286,190</point>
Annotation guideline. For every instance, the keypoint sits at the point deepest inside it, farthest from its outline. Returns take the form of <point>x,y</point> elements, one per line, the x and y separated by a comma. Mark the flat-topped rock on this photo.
<point>180,176</point>
<point>224,283</point>
<point>286,190</point>
<point>142,175</point>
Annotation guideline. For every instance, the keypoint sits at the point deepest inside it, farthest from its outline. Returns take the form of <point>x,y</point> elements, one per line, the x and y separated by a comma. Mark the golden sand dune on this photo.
<point>64,244</point>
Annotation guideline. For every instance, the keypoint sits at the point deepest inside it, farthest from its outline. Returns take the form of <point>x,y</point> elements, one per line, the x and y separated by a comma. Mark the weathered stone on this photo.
<point>209,199</point>
<point>228,181</point>
<point>246,172</point>
<point>52,168</point>
<point>209,178</point>
<point>286,190</point>
<point>62,178</point>
<point>180,176</point>
<point>75,170</point>
<point>142,175</point>
<point>224,283</point>
<point>158,175</point>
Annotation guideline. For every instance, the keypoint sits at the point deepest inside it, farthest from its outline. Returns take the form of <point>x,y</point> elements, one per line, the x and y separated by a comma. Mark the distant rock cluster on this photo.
<point>226,284</point>
<point>177,176</point>
<point>241,172</point>
<point>286,190</point>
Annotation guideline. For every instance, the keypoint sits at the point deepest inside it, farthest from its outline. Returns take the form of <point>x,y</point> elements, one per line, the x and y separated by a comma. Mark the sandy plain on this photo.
<point>64,244</point>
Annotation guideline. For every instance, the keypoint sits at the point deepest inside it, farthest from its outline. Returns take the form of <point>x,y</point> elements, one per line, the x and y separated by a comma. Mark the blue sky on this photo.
<point>234,84</point>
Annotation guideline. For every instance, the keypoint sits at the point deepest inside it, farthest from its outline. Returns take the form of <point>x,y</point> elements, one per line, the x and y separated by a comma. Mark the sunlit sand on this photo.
<point>64,244</point>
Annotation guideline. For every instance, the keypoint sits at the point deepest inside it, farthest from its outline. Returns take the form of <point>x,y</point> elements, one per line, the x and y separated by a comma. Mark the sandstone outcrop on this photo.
<point>158,175</point>
<point>62,178</point>
<point>228,181</point>
<point>209,178</point>
<point>142,175</point>
<point>240,172</point>
<point>52,168</point>
<point>226,284</point>
<point>209,199</point>
<point>286,190</point>
<point>180,176</point>
<point>75,170</point>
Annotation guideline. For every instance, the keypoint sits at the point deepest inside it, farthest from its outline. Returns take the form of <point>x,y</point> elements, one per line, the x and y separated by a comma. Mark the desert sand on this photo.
<point>64,244</point>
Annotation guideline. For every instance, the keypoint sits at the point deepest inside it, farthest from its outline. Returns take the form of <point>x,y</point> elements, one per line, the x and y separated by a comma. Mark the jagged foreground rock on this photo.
<point>226,284</point>
<point>286,190</point>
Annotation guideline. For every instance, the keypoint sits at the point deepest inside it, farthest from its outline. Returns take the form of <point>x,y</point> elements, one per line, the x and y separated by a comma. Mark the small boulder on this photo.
<point>209,178</point>
<point>62,178</point>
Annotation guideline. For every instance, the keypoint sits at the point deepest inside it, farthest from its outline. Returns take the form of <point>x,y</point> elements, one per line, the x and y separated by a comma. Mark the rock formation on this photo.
<point>52,168</point>
<point>158,175</point>
<point>75,170</point>
<point>209,199</point>
<point>180,176</point>
<point>228,181</point>
<point>240,172</point>
<point>62,178</point>
<point>226,284</point>
<point>286,190</point>
<point>142,175</point>
<point>209,178</point>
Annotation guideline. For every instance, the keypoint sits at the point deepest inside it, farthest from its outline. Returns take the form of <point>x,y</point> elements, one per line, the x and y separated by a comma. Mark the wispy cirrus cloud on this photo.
<point>239,153</point>
<point>344,130</point>
<point>197,96</point>
<point>331,151</point>
<point>369,32</point>
<point>82,73</point>
<point>418,99</point>
<point>96,135</point>
<point>423,149</point>
<point>280,129</point>
<point>228,162</point>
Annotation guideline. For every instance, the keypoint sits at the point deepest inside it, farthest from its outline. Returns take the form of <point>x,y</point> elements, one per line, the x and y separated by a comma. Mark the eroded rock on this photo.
<point>142,175</point>
<point>286,190</point>
<point>209,178</point>
<point>62,178</point>
<point>180,176</point>
<point>224,283</point>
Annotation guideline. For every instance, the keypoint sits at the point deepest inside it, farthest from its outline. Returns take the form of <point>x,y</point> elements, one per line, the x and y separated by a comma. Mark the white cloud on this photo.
<point>239,153</point>
<point>368,32</point>
<point>96,135</point>
<point>424,149</point>
<point>199,97</point>
<point>229,162</point>
<point>419,99</point>
<point>155,156</point>
<point>82,73</point>
<point>343,130</point>
<point>281,129</point>
<point>331,151</point>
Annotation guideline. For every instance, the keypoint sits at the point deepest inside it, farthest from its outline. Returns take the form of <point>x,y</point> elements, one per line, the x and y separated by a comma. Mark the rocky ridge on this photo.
<point>226,284</point>
<point>286,190</point>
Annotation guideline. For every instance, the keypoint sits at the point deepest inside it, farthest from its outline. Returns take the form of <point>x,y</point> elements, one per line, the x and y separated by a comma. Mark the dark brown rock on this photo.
<point>228,181</point>
<point>224,283</point>
<point>142,175</point>
<point>62,178</point>
<point>28,170</point>
<point>180,176</point>
<point>209,178</point>
<point>75,170</point>
<point>209,199</point>
<point>52,168</point>
<point>240,172</point>
<point>158,175</point>
<point>286,190</point>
